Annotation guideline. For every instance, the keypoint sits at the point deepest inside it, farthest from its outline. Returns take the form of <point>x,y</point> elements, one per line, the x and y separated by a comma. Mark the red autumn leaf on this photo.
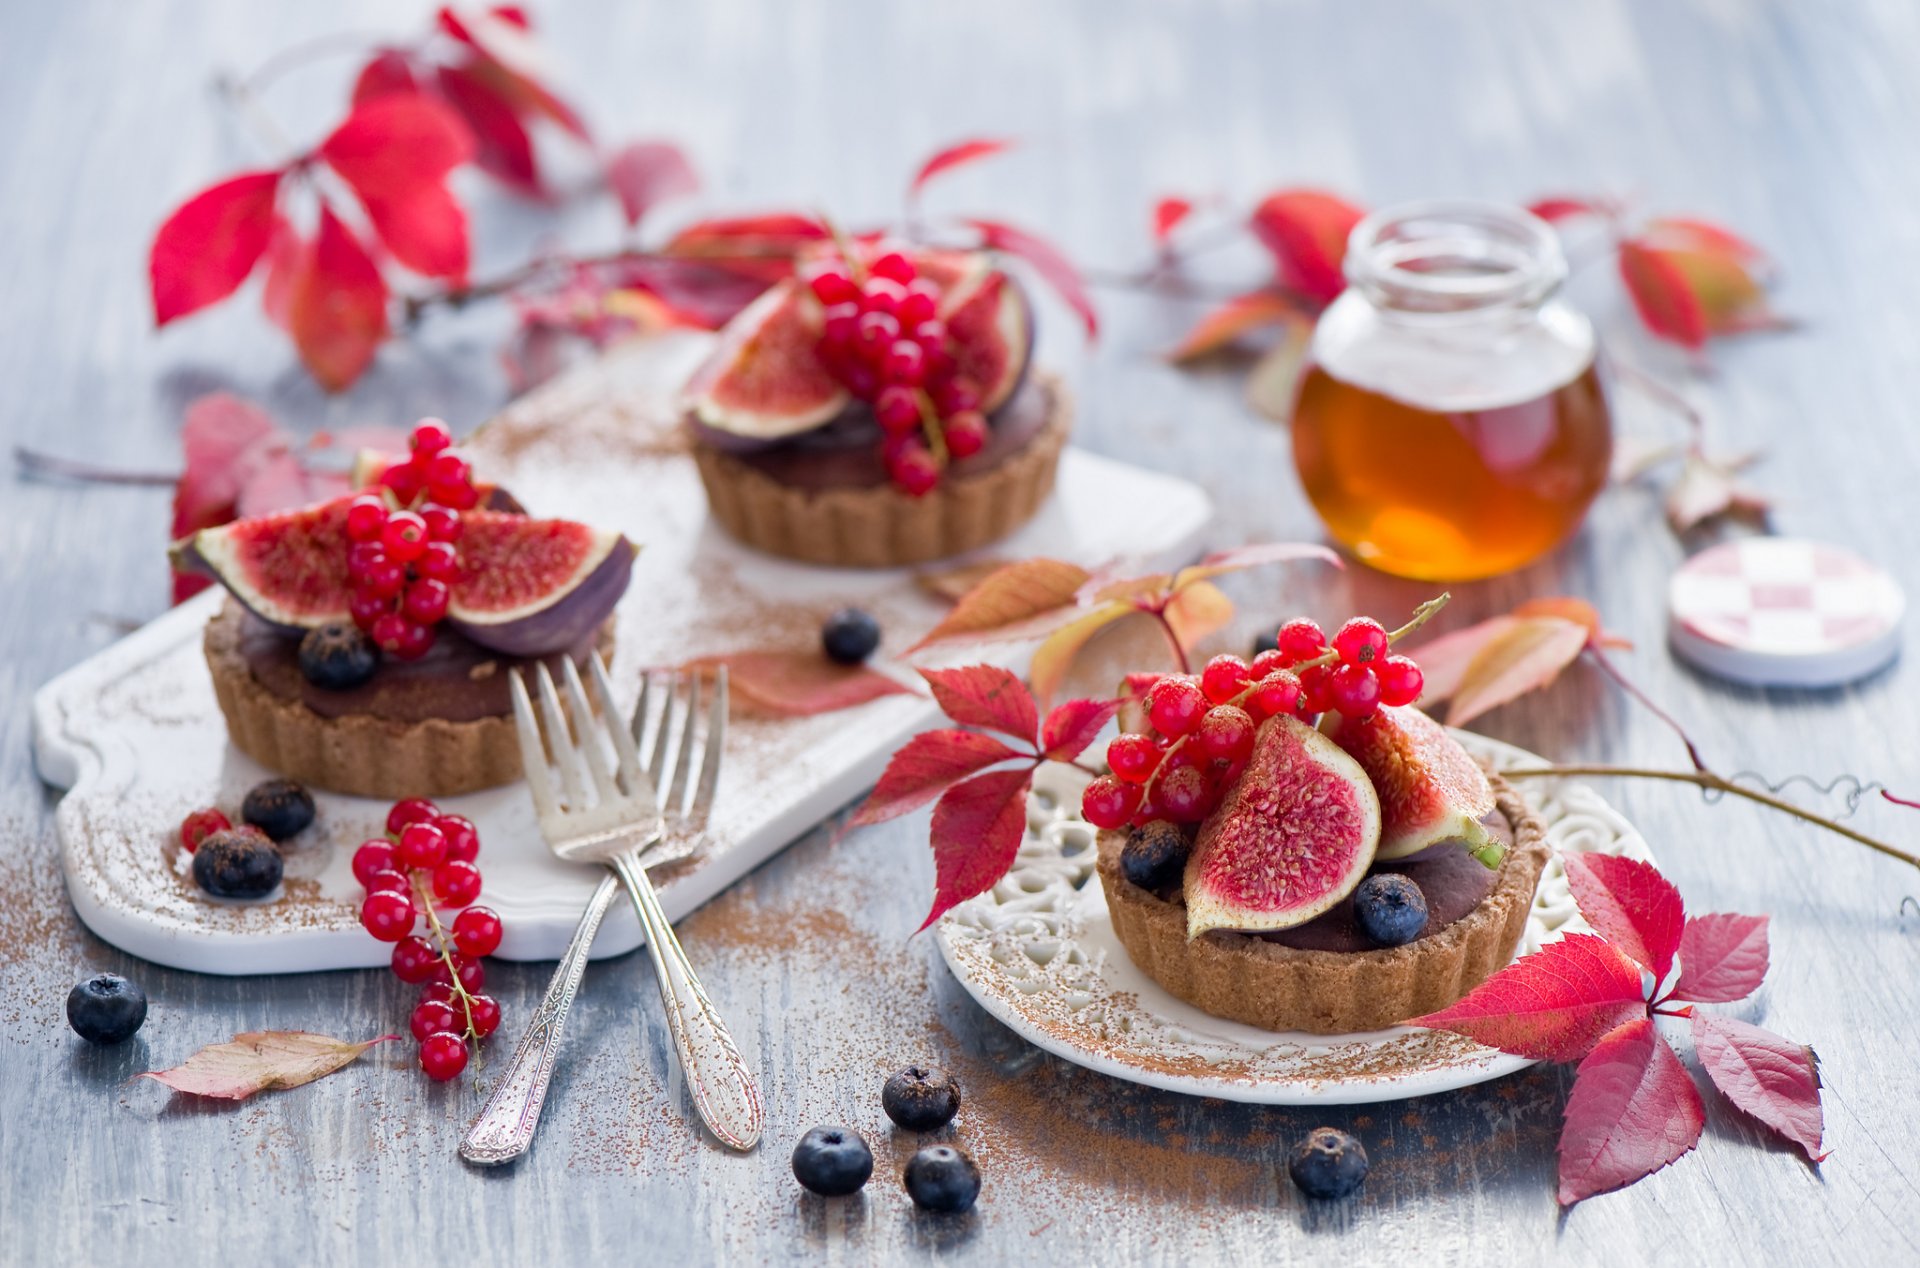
<point>338,315</point>
<point>1690,280</point>
<point>289,256</point>
<point>977,829</point>
<point>1048,261</point>
<point>1168,214</point>
<point>425,228</point>
<point>1630,904</point>
<point>1257,555</point>
<point>396,143</point>
<point>988,696</point>
<point>1240,315</point>
<point>1552,1005</point>
<point>1723,958</point>
<point>952,582</point>
<point>512,62</point>
<point>798,684</point>
<point>1632,1111</point>
<point>1775,1081</point>
<point>955,156</point>
<point>925,766</point>
<point>1486,665</point>
<point>1580,612</point>
<point>221,437</point>
<point>1017,601</point>
<point>504,150</point>
<point>1699,235</point>
<point>259,1061</point>
<point>1196,611</point>
<point>389,71</point>
<point>210,243</point>
<point>762,247</point>
<point>644,173</point>
<point>1070,727</point>
<point>1306,229</point>
<point>1554,210</point>
<point>512,13</point>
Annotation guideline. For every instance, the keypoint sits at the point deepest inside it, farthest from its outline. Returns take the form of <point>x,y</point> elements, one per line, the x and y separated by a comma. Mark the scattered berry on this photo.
<point>1354,691</point>
<point>443,1056</point>
<point>237,863</point>
<point>1361,641</point>
<point>832,1161</point>
<point>1401,681</point>
<point>921,1098</point>
<point>278,807</point>
<point>337,657</point>
<point>106,1009</point>
<point>477,931</point>
<point>942,1178</point>
<point>388,916</point>
<point>1390,909</point>
<point>200,825</point>
<point>1109,803</point>
<point>1175,706</point>
<point>1300,639</point>
<point>849,636</point>
<point>1155,855</point>
<point>1327,1164</point>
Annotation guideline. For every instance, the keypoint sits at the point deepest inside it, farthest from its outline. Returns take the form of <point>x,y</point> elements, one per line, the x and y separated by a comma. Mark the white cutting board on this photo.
<point>135,736</point>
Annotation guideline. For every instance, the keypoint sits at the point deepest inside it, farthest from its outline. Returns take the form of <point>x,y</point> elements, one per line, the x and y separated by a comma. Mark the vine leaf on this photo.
<point>338,314</point>
<point>1048,261</point>
<point>1168,215</point>
<point>1070,727</point>
<point>1632,1111</point>
<point>956,155</point>
<point>1055,656</point>
<point>1239,316</point>
<point>977,829</point>
<point>1552,1005</point>
<point>1016,601</point>
<point>1723,958</point>
<point>797,684</point>
<point>1708,487</point>
<point>1630,904</point>
<point>1307,230</point>
<point>1690,280</point>
<point>1488,664</point>
<point>258,1061</point>
<point>208,246</point>
<point>643,174</point>
<point>1775,1081</point>
<point>988,696</point>
<point>924,767</point>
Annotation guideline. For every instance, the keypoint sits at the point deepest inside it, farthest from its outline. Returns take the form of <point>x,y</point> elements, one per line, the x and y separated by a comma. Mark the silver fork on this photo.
<point>622,825</point>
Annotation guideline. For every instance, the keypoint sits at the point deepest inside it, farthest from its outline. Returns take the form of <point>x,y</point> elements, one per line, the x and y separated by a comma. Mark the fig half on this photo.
<point>765,381</point>
<point>1431,790</point>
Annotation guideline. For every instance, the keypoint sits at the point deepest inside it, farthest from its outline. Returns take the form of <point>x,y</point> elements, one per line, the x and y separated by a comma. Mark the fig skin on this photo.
<point>567,620</point>
<point>1431,790</point>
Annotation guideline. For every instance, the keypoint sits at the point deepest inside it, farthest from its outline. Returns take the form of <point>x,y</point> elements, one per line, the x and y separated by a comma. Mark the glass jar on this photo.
<point>1452,423</point>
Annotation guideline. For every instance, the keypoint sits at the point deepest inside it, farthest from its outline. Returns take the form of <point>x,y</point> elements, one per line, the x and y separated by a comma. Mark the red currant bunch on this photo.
<point>403,556</point>
<point>881,335</point>
<point>422,870</point>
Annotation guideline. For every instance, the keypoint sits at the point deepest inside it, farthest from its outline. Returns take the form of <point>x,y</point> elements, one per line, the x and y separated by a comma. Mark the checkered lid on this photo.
<point>1780,612</point>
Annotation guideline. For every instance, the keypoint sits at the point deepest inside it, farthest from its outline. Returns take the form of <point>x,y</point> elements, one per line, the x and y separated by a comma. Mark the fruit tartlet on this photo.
<point>1329,879</point>
<point>368,642</point>
<point>878,411</point>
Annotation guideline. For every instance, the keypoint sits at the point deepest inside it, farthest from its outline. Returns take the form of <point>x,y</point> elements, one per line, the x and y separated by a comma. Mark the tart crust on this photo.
<point>881,527</point>
<point>357,754</point>
<point>1248,979</point>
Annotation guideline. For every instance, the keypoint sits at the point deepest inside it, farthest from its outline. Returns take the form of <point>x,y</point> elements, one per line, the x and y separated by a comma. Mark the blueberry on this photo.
<point>106,1009</point>
<point>921,1098</point>
<point>850,636</point>
<point>237,863</point>
<point>1268,642</point>
<point>832,1161</point>
<point>1390,909</point>
<point>942,1178</point>
<point>337,657</point>
<point>1155,854</point>
<point>1327,1163</point>
<point>279,807</point>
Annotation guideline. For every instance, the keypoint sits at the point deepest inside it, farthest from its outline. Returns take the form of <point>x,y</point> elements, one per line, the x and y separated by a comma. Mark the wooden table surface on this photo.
<point>1795,125</point>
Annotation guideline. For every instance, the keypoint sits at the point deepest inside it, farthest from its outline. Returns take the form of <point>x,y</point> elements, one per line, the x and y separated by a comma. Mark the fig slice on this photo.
<point>1293,836</point>
<point>289,568</point>
<point>1431,790</point>
<point>990,324</point>
<point>765,381</point>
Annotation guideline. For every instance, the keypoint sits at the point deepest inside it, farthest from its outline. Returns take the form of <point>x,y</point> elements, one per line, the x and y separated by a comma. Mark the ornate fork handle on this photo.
<point>724,1090</point>
<point>504,1129</point>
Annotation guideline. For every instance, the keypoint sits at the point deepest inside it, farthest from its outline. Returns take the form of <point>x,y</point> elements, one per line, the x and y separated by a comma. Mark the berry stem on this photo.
<point>1706,779</point>
<point>1421,615</point>
<point>855,268</point>
<point>425,897</point>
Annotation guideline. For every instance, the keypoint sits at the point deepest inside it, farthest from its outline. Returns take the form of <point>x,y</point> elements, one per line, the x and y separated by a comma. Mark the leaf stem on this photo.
<point>31,462</point>
<point>1173,640</point>
<point>1706,779</point>
<point>1600,658</point>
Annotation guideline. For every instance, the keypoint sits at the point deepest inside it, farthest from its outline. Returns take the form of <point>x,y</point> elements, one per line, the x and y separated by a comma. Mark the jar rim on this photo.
<point>1454,255</point>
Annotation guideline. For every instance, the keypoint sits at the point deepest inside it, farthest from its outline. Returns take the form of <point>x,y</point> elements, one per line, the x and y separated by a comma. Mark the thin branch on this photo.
<point>1600,658</point>
<point>33,464</point>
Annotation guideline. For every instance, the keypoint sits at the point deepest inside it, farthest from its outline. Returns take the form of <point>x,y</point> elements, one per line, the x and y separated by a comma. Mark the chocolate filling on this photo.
<point>846,452</point>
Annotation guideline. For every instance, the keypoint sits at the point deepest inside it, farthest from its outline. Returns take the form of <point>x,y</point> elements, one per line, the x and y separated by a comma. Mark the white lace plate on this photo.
<point>1040,954</point>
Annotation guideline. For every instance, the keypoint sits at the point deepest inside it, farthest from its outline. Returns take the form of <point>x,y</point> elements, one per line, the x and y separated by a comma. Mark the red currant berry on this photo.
<point>413,961</point>
<point>388,880</point>
<point>1354,691</point>
<point>1108,803</point>
<point>831,286</point>
<point>421,845</point>
<point>200,825</point>
<point>898,409</point>
<point>448,470</point>
<point>1314,697</point>
<point>904,363</point>
<point>931,335</point>
<point>410,810</point>
<point>441,561</point>
<point>473,974</point>
<point>405,536</point>
<point>1401,681</point>
<point>427,600</point>
<point>1361,641</point>
<point>1182,794</point>
<point>875,334</point>
<point>861,381</point>
<point>895,267</point>
<point>443,1056</point>
<point>1224,677</point>
<point>387,916</point>
<point>477,931</point>
<point>438,992</point>
<point>1226,733</point>
<point>456,884</point>
<point>385,578</point>
<point>839,324</point>
<point>882,295</point>
<point>1175,706</point>
<point>460,497</point>
<point>429,437</point>
<point>463,839</point>
<point>366,516</point>
<point>390,631</point>
<point>1278,693</point>
<point>443,522</point>
<point>1132,757</point>
<point>431,1016</point>
<point>372,856</point>
<point>1265,663</point>
<point>414,641</point>
<point>362,556</point>
<point>914,469</point>
<point>485,1015</point>
<point>921,305</point>
<point>965,433</point>
<point>366,608</point>
<point>955,396</point>
<point>404,480</point>
<point>1300,639</point>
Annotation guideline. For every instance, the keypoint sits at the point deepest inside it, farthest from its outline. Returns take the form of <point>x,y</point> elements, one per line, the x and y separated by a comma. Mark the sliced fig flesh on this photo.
<point>1431,790</point>
<point>289,569</point>
<point>765,381</point>
<point>991,326</point>
<point>1293,836</point>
